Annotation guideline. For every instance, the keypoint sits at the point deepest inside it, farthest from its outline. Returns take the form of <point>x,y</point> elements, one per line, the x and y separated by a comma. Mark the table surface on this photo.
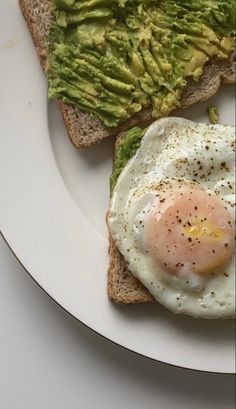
<point>49,360</point>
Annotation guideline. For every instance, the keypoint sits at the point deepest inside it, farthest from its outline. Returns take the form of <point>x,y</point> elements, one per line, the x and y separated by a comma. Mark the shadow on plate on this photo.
<point>201,329</point>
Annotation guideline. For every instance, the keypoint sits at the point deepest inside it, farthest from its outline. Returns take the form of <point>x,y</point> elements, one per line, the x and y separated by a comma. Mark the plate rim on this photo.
<point>139,354</point>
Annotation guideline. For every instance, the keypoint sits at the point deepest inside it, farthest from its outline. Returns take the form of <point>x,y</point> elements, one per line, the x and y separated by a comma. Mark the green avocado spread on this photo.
<point>114,57</point>
<point>125,149</point>
<point>213,114</point>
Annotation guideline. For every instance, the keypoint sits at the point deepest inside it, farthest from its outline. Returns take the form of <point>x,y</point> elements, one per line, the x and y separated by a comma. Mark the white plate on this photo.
<point>53,202</point>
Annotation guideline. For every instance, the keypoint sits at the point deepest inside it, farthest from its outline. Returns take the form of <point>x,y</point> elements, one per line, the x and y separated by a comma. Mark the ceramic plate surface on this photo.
<point>53,201</point>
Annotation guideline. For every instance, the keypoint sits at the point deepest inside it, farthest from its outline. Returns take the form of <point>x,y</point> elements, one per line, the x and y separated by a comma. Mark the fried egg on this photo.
<point>172,216</point>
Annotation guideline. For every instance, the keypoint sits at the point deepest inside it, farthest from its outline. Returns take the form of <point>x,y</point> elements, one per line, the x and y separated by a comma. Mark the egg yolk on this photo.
<point>190,230</point>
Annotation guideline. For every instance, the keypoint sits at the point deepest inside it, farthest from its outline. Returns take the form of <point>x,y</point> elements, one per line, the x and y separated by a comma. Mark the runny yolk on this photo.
<point>190,230</point>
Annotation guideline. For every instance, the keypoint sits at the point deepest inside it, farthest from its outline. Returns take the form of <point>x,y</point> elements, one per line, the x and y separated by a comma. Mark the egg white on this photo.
<point>175,148</point>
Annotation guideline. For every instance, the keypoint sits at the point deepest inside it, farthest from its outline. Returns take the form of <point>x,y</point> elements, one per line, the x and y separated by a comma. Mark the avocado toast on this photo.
<point>101,98</point>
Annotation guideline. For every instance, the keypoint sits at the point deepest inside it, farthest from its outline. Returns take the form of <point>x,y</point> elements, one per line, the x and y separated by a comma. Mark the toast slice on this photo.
<point>84,129</point>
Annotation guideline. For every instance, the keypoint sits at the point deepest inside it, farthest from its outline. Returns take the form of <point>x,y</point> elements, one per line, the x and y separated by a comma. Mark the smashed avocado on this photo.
<point>213,114</point>
<point>126,148</point>
<point>114,57</point>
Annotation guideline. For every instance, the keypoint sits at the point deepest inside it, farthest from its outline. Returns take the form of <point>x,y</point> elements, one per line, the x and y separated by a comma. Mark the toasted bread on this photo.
<point>85,129</point>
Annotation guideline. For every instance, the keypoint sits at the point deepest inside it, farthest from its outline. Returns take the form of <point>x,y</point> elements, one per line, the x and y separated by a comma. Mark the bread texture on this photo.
<point>84,129</point>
